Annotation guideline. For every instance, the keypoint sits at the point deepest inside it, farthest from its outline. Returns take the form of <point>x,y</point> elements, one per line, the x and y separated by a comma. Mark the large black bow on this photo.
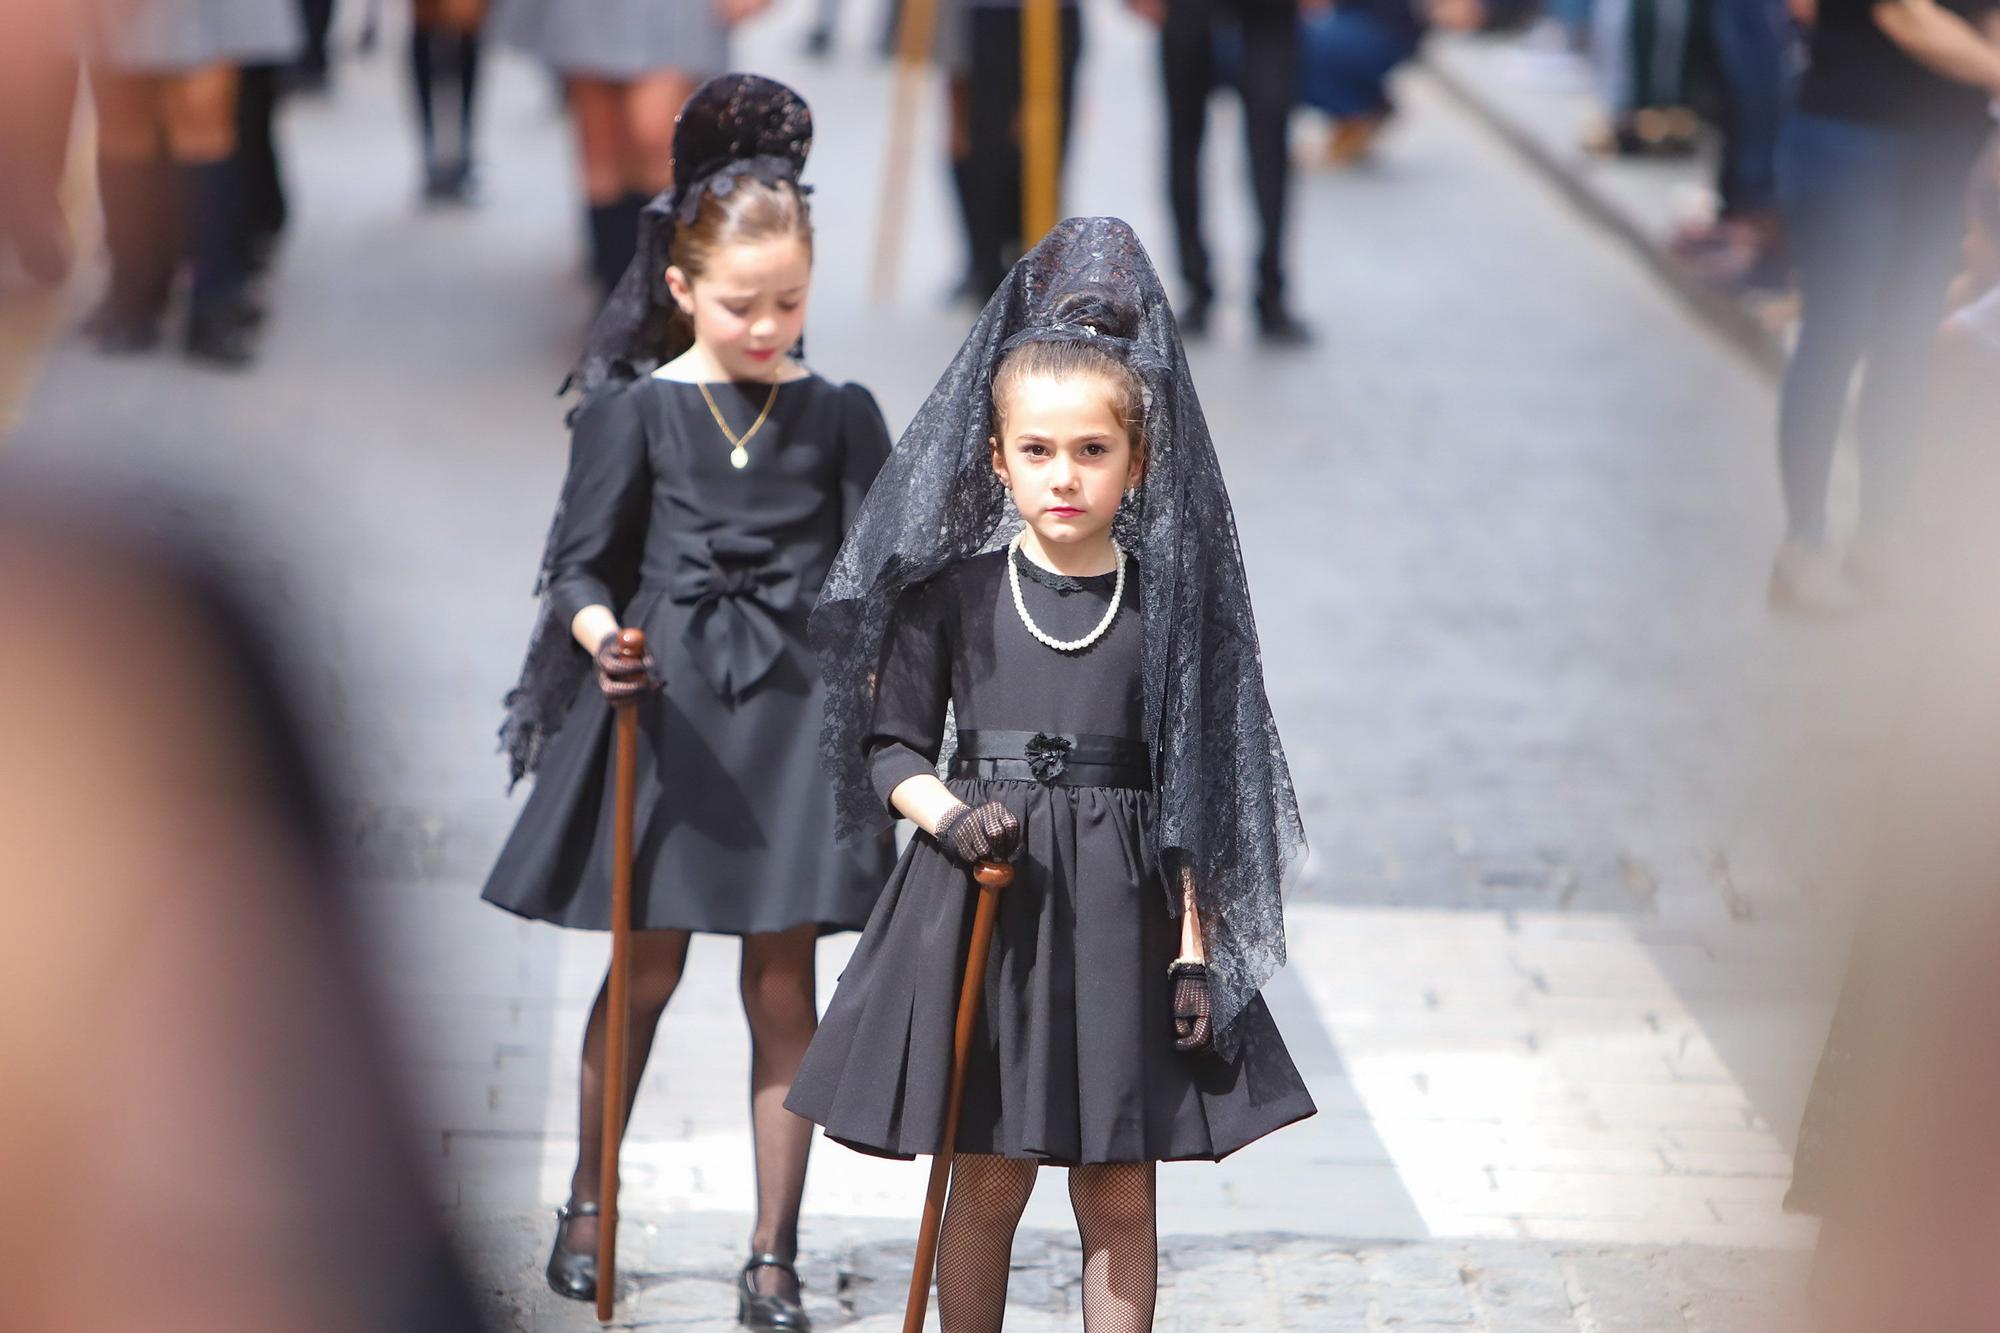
<point>739,591</point>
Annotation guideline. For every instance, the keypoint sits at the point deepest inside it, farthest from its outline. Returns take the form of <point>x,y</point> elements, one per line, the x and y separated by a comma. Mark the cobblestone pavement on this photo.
<point>1551,981</point>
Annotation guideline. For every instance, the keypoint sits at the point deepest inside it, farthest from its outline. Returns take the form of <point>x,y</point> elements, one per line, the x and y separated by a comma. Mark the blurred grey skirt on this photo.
<point>169,36</point>
<point>617,39</point>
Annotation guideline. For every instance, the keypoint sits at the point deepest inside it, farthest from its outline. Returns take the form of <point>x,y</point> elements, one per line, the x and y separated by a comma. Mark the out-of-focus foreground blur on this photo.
<point>1624,550</point>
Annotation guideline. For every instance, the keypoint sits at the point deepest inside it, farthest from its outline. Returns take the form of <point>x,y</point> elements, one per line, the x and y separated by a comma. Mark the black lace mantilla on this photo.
<point>1226,809</point>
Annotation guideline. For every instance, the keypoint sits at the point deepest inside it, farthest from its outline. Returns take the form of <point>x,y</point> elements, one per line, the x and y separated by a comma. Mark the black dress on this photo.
<point>1073,1060</point>
<point>720,567</point>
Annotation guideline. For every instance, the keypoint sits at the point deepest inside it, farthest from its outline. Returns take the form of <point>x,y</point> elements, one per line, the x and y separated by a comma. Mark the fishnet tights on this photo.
<point>1114,1205</point>
<point>976,1239</point>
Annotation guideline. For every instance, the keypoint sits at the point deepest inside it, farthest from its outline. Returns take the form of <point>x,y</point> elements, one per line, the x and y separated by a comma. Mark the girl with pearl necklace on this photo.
<point>1017,700</point>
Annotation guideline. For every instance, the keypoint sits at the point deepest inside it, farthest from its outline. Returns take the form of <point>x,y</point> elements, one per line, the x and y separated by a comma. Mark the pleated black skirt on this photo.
<point>1073,1059</point>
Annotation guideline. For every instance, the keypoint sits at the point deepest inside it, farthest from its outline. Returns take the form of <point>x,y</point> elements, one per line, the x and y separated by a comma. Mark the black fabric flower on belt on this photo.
<point>1047,756</point>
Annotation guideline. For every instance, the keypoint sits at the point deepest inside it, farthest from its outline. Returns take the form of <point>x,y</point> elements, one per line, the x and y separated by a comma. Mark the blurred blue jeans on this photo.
<point>1874,215</point>
<point>1753,45</point>
<point>1346,57</point>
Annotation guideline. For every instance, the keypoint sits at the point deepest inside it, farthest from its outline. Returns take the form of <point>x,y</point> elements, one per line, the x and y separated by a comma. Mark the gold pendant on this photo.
<point>739,457</point>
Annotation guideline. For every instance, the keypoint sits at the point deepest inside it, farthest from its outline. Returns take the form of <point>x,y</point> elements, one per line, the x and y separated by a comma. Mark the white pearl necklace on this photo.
<point>1021,605</point>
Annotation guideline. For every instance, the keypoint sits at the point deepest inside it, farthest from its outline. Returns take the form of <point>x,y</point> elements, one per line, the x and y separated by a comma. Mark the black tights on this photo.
<point>779,1002</point>
<point>1114,1204</point>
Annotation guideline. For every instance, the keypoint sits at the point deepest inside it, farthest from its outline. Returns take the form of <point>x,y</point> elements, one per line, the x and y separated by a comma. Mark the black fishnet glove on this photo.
<point>620,677</point>
<point>1191,1007</point>
<point>986,833</point>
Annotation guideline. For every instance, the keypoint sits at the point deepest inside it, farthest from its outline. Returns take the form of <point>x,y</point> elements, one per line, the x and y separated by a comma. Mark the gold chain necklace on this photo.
<point>739,457</point>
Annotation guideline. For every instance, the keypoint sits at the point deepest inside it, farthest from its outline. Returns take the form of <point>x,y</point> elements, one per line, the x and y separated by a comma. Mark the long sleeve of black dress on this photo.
<point>912,690</point>
<point>864,448</point>
<point>600,532</point>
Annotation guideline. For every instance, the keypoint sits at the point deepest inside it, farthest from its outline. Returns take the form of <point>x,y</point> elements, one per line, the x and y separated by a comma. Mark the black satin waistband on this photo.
<point>1052,758</point>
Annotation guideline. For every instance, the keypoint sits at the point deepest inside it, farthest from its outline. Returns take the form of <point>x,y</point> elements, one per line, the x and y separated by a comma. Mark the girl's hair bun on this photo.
<point>1098,309</point>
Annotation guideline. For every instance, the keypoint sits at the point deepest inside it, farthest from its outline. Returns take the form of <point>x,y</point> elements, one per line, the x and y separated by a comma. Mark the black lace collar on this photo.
<point>1065,583</point>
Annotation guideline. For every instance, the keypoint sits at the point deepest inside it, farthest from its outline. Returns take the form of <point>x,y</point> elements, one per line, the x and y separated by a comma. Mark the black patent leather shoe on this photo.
<point>756,1309</point>
<point>572,1275</point>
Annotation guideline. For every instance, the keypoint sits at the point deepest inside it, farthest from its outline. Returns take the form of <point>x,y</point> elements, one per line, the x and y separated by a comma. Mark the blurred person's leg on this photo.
<point>136,186</point>
<point>826,18</point>
<point>1838,181</point>
<point>658,957</point>
<point>200,108</point>
<point>1751,40</point>
<point>38,82</point>
<point>1270,91</point>
<point>958,94</point>
<point>780,1005</point>
<point>1187,66</point>
<point>993,111</point>
<point>311,70</point>
<point>1890,417</point>
<point>444,67</point>
<point>264,203</point>
<point>650,105</point>
<point>1743,245</point>
<point>597,107</point>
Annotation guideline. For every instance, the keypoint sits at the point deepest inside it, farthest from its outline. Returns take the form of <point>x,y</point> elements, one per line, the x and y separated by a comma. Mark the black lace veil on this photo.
<point>735,126</point>
<point>1227,812</point>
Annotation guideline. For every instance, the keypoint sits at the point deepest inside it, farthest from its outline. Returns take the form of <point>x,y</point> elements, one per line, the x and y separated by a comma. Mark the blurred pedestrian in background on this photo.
<point>164,75</point>
<point>1872,170</point>
<point>627,67</point>
<point>444,58</point>
<point>1268,31</point>
<point>203,1130</point>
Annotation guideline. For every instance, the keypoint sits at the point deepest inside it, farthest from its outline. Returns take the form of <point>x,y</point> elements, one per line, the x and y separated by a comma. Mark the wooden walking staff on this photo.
<point>618,1004</point>
<point>915,34</point>
<point>993,876</point>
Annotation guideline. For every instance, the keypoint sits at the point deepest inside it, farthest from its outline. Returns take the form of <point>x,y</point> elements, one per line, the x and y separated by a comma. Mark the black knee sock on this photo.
<point>468,89</point>
<point>213,201</point>
<point>423,76</point>
<point>614,239</point>
<point>138,234</point>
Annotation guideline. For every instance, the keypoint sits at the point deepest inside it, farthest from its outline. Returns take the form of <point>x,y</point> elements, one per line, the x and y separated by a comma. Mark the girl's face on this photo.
<point>1066,457</point>
<point>749,304</point>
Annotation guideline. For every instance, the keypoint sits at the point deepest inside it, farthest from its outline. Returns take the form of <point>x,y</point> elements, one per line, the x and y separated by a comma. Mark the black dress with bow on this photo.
<point>720,566</point>
<point>1073,1059</point>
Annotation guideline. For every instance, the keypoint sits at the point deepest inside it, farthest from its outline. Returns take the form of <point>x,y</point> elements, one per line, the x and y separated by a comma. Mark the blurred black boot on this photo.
<point>220,324</point>
<point>1277,325</point>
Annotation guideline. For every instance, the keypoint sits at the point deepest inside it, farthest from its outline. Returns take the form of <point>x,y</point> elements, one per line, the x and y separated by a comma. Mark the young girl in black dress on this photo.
<point>1108,729</point>
<point>705,501</point>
